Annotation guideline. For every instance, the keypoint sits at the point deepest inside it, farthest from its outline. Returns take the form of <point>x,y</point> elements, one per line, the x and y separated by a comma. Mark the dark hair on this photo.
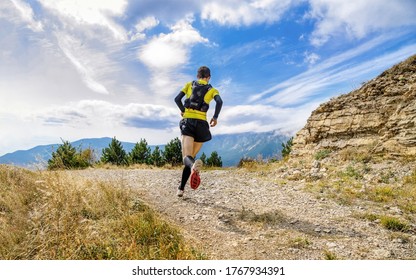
<point>203,72</point>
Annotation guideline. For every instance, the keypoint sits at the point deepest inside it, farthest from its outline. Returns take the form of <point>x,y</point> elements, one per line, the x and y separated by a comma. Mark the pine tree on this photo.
<point>173,152</point>
<point>203,158</point>
<point>140,153</point>
<point>63,157</point>
<point>67,157</point>
<point>156,158</point>
<point>114,153</point>
<point>214,160</point>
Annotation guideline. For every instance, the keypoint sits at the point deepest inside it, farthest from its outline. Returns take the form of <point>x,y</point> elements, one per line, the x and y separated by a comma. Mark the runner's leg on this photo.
<point>187,150</point>
<point>196,148</point>
<point>185,176</point>
<point>190,149</point>
<point>196,167</point>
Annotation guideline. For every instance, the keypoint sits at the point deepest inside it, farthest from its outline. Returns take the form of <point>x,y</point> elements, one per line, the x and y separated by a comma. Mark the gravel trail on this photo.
<point>236,214</point>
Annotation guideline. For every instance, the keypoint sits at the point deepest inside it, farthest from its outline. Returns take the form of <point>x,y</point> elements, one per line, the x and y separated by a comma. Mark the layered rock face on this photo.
<point>381,115</point>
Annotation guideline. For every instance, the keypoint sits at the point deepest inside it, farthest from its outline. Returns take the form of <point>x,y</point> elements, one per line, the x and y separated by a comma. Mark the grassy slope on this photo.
<point>50,215</point>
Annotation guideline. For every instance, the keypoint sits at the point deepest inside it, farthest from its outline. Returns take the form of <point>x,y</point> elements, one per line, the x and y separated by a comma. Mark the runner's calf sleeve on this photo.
<point>188,161</point>
<point>185,176</point>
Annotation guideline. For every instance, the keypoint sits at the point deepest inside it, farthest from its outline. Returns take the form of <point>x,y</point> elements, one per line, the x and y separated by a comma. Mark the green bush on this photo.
<point>322,154</point>
<point>287,148</point>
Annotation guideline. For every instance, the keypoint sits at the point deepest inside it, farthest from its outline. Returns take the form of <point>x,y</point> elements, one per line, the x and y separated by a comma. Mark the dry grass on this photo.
<point>51,215</point>
<point>299,243</point>
<point>388,222</point>
<point>265,219</point>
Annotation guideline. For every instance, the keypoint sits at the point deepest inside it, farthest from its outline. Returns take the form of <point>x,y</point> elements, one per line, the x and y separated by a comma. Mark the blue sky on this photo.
<point>81,69</point>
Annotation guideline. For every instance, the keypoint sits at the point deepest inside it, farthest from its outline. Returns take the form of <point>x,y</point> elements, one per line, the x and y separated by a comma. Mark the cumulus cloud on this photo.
<point>169,52</point>
<point>246,12</point>
<point>358,18</point>
<point>89,113</point>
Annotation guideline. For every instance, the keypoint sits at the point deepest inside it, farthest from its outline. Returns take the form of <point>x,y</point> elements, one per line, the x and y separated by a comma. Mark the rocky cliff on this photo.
<point>380,116</point>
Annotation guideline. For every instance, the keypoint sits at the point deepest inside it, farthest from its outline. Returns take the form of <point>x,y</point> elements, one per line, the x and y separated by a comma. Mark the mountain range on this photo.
<point>230,147</point>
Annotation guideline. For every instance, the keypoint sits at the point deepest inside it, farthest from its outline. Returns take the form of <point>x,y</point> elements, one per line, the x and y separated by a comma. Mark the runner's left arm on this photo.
<point>218,106</point>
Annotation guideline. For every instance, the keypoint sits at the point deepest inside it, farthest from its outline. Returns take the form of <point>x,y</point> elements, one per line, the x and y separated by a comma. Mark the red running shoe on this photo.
<point>195,179</point>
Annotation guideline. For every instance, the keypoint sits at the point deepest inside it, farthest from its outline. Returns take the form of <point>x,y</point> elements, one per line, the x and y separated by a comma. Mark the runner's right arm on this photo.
<point>178,101</point>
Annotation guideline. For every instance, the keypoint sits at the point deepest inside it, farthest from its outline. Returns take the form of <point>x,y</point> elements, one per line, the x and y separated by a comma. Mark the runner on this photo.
<point>194,126</point>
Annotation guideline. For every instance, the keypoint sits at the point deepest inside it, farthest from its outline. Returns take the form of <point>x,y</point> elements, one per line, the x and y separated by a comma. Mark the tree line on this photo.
<point>68,157</point>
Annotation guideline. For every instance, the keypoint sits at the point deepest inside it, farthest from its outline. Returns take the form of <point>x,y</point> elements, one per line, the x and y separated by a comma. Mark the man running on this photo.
<point>194,126</point>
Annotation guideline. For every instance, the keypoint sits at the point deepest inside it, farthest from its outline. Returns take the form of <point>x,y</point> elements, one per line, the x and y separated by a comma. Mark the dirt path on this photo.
<point>246,215</point>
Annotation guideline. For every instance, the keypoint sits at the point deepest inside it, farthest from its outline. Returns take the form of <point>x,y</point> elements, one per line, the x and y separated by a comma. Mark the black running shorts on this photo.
<point>198,129</point>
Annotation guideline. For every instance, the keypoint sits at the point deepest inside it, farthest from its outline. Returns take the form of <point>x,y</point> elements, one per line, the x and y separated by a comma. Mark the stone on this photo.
<point>378,117</point>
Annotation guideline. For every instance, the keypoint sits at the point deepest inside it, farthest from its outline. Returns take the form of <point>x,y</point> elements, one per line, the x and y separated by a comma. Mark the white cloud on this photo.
<point>20,12</point>
<point>311,58</point>
<point>142,25</point>
<point>331,73</point>
<point>167,53</point>
<point>91,65</point>
<point>307,83</point>
<point>99,13</point>
<point>246,12</point>
<point>146,23</point>
<point>27,15</point>
<point>103,115</point>
<point>90,113</point>
<point>358,18</point>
